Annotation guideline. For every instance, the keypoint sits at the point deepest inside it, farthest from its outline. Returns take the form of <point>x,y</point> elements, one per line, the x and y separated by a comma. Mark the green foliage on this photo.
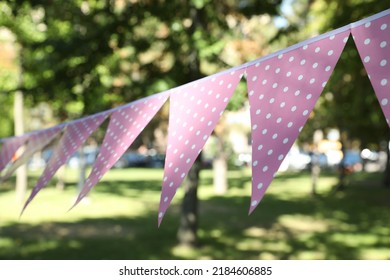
<point>105,53</point>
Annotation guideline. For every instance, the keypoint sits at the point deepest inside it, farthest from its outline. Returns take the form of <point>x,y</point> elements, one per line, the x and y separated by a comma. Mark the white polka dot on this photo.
<point>260,147</point>
<point>285,89</point>
<point>254,127</point>
<point>285,140</point>
<point>259,186</point>
<point>383,62</point>
<point>254,78</point>
<point>291,59</point>
<point>279,120</point>
<point>383,26</point>
<point>327,69</point>
<point>261,96</point>
<point>275,136</point>
<point>300,77</point>
<point>268,116</point>
<point>254,203</point>
<point>384,82</point>
<point>317,50</point>
<point>305,47</point>
<point>258,111</point>
<point>312,81</point>
<point>272,100</point>
<point>332,37</point>
<point>384,101</point>
<point>383,44</point>
<point>293,108</point>
<point>270,152</point>
<point>267,67</point>
<point>303,61</point>
<point>288,74</point>
<point>257,64</point>
<point>280,56</point>
<point>290,124</point>
<point>282,104</point>
<point>275,85</point>
<point>182,175</point>
<point>277,70</point>
<point>367,59</point>
<point>171,184</point>
<point>345,39</point>
<point>264,82</point>
<point>305,112</point>
<point>265,168</point>
<point>264,131</point>
<point>368,24</point>
<point>298,92</point>
<point>367,41</point>
<point>330,52</point>
<point>323,84</point>
<point>255,163</point>
<point>160,214</point>
<point>315,65</point>
<point>280,157</point>
<point>309,96</point>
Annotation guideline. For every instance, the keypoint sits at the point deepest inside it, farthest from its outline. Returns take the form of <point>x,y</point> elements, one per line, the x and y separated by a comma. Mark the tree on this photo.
<point>87,56</point>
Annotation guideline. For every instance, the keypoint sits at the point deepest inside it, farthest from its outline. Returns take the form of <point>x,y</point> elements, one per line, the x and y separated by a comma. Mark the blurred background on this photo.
<point>62,60</point>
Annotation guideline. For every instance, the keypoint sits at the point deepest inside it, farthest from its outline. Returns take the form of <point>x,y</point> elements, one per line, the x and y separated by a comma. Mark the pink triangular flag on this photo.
<point>373,43</point>
<point>282,93</point>
<point>37,141</point>
<point>9,149</point>
<point>76,133</point>
<point>125,125</point>
<point>195,109</point>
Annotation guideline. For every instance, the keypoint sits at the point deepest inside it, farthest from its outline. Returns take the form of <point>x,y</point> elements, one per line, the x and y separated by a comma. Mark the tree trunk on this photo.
<point>21,172</point>
<point>220,169</point>
<point>386,181</point>
<point>187,233</point>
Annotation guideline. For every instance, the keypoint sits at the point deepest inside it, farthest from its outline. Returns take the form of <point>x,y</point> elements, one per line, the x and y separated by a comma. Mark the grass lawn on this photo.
<point>119,220</point>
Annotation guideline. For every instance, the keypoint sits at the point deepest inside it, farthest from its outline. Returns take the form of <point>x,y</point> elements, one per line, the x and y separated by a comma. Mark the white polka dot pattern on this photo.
<point>125,125</point>
<point>373,43</point>
<point>195,109</point>
<point>281,105</point>
<point>36,141</point>
<point>9,149</point>
<point>75,134</point>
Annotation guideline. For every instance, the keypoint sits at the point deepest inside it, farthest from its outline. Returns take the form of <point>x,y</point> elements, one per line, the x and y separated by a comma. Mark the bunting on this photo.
<point>194,112</point>
<point>372,40</point>
<point>9,149</point>
<point>76,133</point>
<point>283,89</point>
<point>125,125</point>
<point>282,93</point>
<point>36,142</point>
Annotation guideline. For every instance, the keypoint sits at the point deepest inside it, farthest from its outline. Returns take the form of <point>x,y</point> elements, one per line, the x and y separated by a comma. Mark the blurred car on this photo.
<point>132,159</point>
<point>89,153</point>
<point>156,161</point>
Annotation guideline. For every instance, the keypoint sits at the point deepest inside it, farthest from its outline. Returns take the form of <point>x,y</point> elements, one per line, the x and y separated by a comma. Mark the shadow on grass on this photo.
<point>349,225</point>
